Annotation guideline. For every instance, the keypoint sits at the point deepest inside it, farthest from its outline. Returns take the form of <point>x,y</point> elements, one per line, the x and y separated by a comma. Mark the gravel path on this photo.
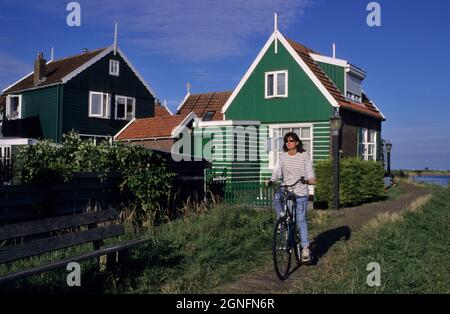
<point>342,224</point>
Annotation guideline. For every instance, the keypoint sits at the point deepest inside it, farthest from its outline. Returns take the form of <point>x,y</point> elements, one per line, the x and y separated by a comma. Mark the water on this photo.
<point>439,180</point>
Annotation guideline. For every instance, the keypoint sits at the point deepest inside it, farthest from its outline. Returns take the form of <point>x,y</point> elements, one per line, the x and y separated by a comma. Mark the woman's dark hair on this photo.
<point>296,138</point>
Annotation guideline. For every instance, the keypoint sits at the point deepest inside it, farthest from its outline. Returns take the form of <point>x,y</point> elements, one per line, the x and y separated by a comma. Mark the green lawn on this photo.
<point>413,252</point>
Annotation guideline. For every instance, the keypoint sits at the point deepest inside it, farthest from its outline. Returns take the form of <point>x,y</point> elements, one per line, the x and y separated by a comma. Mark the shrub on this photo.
<point>143,172</point>
<point>359,181</point>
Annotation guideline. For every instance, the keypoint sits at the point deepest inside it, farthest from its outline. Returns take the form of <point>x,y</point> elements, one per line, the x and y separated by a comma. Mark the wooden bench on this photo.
<point>23,240</point>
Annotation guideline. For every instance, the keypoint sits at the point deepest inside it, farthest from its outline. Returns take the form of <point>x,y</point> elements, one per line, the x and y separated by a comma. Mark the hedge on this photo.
<point>359,182</point>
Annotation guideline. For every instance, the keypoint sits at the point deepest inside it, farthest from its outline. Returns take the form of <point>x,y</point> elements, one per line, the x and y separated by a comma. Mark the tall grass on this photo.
<point>412,249</point>
<point>193,253</point>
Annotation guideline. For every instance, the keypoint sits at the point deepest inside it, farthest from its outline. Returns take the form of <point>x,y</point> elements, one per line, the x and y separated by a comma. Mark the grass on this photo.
<point>412,249</point>
<point>190,255</point>
<point>186,255</point>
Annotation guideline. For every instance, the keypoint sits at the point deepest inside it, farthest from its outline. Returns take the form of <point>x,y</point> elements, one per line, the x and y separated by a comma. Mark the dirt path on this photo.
<point>341,226</point>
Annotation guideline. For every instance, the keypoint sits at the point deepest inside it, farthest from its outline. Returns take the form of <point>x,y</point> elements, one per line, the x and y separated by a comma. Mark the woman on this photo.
<point>293,164</point>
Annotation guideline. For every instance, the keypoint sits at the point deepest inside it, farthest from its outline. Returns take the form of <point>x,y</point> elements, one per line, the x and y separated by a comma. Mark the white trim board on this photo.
<point>329,60</point>
<point>87,64</point>
<point>123,129</point>
<point>21,79</point>
<point>362,92</point>
<point>183,124</point>
<point>100,56</point>
<point>227,123</point>
<point>17,141</point>
<point>278,36</point>
<point>183,101</point>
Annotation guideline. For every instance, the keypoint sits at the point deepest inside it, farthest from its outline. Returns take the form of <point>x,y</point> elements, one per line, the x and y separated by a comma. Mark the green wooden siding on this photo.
<point>44,104</point>
<point>97,78</point>
<point>336,74</point>
<point>224,158</point>
<point>304,103</point>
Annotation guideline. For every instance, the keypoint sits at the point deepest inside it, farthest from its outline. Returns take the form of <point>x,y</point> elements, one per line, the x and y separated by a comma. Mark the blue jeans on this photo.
<point>302,204</point>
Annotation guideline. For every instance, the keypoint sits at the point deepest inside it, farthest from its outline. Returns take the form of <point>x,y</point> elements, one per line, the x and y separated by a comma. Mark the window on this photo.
<point>99,105</point>
<point>125,108</point>
<point>208,115</point>
<point>114,67</point>
<point>13,107</point>
<point>276,84</point>
<point>278,133</point>
<point>368,144</point>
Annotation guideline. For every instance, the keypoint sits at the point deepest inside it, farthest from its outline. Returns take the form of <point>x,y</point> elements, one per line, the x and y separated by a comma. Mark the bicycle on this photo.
<point>285,236</point>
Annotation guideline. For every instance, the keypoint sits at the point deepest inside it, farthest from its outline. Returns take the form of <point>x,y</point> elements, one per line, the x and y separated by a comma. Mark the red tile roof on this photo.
<point>151,127</point>
<point>161,111</point>
<point>366,107</point>
<point>202,103</point>
<point>56,70</point>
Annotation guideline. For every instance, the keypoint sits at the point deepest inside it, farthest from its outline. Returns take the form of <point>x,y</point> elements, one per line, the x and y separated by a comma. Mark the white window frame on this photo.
<point>365,144</point>
<point>275,84</point>
<point>272,127</point>
<point>8,107</point>
<point>126,103</point>
<point>102,114</point>
<point>114,64</point>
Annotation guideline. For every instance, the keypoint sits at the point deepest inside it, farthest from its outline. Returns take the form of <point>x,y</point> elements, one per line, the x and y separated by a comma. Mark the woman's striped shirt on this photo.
<point>291,168</point>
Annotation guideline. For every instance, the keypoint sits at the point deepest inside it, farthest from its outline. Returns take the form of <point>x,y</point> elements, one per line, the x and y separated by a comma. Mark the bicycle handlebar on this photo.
<point>302,179</point>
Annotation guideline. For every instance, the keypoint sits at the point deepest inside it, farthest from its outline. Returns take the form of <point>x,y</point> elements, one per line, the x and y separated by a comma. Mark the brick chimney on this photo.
<point>39,69</point>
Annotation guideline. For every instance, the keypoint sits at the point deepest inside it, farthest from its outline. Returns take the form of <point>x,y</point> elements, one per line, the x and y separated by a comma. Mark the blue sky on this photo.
<point>212,43</point>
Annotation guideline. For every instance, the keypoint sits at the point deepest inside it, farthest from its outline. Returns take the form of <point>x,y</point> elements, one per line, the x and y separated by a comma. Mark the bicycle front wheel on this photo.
<point>281,250</point>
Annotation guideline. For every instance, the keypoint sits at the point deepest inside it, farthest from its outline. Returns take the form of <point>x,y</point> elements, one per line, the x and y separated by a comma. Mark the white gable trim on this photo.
<point>329,60</point>
<point>184,100</point>
<point>101,55</point>
<point>307,70</point>
<point>183,124</point>
<point>136,72</point>
<point>84,66</point>
<point>21,79</point>
<point>249,72</point>
<point>384,117</point>
<point>283,41</point>
<point>228,123</point>
<point>123,129</point>
<point>167,108</point>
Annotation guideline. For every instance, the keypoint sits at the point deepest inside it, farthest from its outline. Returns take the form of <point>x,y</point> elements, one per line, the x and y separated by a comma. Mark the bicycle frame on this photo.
<point>289,201</point>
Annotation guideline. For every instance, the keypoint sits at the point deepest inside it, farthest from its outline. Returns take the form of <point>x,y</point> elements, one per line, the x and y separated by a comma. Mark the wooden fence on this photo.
<point>242,192</point>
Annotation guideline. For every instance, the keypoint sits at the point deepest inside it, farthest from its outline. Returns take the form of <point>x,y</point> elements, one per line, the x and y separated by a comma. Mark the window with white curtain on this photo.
<point>368,144</point>
<point>13,107</point>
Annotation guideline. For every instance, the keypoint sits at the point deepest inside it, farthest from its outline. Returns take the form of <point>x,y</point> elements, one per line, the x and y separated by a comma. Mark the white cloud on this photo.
<point>193,29</point>
<point>11,70</point>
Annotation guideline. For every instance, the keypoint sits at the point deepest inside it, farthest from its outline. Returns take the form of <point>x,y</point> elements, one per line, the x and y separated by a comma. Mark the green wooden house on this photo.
<point>289,87</point>
<point>95,93</point>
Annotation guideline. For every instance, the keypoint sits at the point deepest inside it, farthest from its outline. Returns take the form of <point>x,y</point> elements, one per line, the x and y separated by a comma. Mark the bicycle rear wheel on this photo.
<point>281,250</point>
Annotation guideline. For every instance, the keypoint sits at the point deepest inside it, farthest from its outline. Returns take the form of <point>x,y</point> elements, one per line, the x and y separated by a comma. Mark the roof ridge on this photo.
<point>81,54</point>
<point>209,93</point>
